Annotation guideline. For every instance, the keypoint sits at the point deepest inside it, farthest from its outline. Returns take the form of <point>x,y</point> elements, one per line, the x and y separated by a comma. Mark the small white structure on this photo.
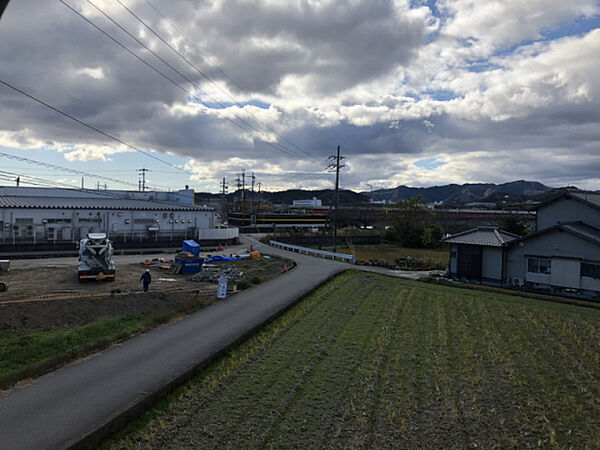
<point>478,254</point>
<point>314,203</point>
<point>372,201</point>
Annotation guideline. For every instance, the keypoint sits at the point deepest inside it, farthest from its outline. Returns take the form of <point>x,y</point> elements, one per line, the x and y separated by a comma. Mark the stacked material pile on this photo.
<point>211,274</point>
<point>185,255</point>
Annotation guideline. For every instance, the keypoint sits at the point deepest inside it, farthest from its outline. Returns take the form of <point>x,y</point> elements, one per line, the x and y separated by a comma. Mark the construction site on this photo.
<point>68,300</point>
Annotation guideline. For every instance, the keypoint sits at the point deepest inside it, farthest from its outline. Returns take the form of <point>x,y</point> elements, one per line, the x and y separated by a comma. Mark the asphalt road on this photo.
<point>61,408</point>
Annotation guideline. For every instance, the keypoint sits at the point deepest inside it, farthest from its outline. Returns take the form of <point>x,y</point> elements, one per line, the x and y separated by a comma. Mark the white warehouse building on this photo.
<point>50,215</point>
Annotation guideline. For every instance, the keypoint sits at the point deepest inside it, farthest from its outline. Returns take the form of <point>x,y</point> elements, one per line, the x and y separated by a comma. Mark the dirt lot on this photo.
<point>28,283</point>
<point>53,296</point>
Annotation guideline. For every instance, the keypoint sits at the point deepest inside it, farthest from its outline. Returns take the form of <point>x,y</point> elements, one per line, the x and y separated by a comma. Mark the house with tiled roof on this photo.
<point>478,254</point>
<point>562,255</point>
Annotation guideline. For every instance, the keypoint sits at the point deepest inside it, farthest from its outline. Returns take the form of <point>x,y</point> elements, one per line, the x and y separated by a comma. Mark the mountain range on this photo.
<point>451,194</point>
<point>461,193</point>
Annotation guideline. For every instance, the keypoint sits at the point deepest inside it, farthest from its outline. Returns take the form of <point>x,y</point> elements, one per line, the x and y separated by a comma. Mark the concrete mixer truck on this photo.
<point>95,258</point>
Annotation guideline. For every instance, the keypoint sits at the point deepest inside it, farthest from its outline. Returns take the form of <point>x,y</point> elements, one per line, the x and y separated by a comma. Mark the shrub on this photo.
<point>243,284</point>
<point>255,280</point>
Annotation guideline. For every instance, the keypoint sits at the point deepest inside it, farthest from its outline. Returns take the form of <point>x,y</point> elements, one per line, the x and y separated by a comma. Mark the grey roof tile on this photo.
<point>483,236</point>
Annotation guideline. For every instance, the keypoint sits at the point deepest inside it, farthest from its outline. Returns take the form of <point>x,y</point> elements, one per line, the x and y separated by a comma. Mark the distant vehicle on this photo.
<point>95,258</point>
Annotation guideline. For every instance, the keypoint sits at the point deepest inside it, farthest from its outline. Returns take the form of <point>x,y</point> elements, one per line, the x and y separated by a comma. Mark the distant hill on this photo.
<point>462,193</point>
<point>327,196</point>
<point>451,194</point>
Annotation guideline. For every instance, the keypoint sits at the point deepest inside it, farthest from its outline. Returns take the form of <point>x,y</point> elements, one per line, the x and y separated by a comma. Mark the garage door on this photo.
<point>469,262</point>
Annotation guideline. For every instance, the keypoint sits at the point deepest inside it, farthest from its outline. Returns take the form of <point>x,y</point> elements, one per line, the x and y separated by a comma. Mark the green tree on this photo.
<point>409,223</point>
<point>514,224</point>
<point>432,235</point>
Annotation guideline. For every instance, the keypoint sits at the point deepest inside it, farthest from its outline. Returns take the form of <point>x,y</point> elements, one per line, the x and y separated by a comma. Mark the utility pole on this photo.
<point>243,185</point>
<point>259,185</point>
<point>224,200</point>
<point>81,182</point>
<point>337,166</point>
<point>142,186</point>
<point>252,194</point>
<point>238,183</point>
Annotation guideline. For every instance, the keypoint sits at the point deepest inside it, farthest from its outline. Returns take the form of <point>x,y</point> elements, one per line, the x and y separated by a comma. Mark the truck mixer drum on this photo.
<point>95,258</point>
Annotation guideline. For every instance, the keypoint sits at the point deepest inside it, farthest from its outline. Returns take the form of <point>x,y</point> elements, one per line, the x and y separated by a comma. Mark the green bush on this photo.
<point>255,280</point>
<point>243,284</point>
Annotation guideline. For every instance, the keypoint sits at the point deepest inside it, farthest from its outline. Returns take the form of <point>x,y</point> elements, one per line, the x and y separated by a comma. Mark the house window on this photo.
<point>590,270</point>
<point>538,265</point>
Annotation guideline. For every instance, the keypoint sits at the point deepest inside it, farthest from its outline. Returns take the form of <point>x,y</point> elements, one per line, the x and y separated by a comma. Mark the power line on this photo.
<point>40,182</point>
<point>195,85</point>
<point>64,169</point>
<point>206,76</point>
<point>91,127</point>
<point>195,46</point>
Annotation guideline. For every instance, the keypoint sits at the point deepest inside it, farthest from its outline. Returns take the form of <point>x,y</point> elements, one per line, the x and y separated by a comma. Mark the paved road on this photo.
<point>63,407</point>
<point>67,405</point>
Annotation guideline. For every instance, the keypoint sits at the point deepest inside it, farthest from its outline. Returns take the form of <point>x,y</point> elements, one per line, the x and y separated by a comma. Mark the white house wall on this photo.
<point>552,245</point>
<point>491,264</point>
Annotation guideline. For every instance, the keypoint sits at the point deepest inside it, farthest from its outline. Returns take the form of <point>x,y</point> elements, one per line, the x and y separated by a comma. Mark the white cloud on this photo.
<point>96,73</point>
<point>390,80</point>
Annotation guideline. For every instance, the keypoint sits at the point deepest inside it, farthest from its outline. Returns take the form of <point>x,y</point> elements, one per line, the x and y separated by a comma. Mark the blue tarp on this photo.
<point>219,258</point>
<point>191,246</point>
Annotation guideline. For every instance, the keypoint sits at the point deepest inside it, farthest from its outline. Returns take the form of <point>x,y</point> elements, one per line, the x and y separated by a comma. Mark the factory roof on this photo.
<point>483,236</point>
<point>109,202</point>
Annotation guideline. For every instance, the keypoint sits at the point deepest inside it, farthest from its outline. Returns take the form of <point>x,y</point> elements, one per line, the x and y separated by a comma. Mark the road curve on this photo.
<point>79,403</point>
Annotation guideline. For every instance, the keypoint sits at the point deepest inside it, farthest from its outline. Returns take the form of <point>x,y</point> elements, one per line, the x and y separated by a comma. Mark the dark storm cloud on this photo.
<point>46,47</point>
<point>327,68</point>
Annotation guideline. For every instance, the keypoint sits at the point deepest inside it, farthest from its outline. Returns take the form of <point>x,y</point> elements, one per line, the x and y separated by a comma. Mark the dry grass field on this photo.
<point>374,362</point>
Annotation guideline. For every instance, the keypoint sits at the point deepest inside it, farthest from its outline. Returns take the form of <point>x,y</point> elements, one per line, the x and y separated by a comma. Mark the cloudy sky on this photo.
<point>416,92</point>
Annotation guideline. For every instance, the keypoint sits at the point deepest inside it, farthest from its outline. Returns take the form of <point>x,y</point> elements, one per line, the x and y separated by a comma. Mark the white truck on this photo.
<point>95,258</point>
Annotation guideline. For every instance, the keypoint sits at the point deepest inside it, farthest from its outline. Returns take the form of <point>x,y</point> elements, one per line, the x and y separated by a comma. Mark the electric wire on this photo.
<point>186,78</point>
<point>41,182</point>
<point>206,76</point>
<point>91,127</point>
<point>64,169</point>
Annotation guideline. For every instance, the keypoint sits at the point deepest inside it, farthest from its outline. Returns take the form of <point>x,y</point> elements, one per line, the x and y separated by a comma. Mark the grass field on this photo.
<point>436,258</point>
<point>374,362</point>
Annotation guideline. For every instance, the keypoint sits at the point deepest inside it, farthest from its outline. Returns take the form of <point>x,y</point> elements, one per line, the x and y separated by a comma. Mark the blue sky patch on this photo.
<point>222,105</point>
<point>429,163</point>
<point>442,95</point>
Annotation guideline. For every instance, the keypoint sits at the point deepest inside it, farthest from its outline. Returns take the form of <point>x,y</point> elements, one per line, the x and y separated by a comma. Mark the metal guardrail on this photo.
<point>314,252</point>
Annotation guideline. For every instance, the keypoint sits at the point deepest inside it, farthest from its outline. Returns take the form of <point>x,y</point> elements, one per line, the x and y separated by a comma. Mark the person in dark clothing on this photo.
<point>146,278</point>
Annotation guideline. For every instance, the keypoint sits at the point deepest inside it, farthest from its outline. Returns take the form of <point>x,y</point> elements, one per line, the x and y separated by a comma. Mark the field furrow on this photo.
<point>374,362</point>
